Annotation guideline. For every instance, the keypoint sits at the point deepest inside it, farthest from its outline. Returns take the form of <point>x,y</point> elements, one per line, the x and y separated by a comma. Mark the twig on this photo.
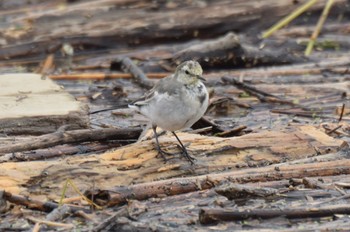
<point>36,227</point>
<point>47,65</point>
<point>303,114</point>
<point>233,191</point>
<point>333,130</point>
<point>261,95</point>
<point>337,199</point>
<point>36,204</point>
<point>86,216</point>
<point>111,221</point>
<point>208,216</point>
<point>231,132</point>
<point>58,213</point>
<point>288,18</point>
<point>201,130</point>
<point>315,184</point>
<point>74,136</point>
<point>342,112</point>
<point>50,223</point>
<point>128,65</point>
<point>318,27</point>
<point>60,150</point>
<point>3,203</point>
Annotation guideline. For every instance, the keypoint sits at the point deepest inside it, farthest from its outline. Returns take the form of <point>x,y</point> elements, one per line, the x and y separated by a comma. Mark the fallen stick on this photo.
<point>261,95</point>
<point>61,150</point>
<point>111,221</point>
<point>38,205</point>
<point>232,191</point>
<point>209,216</point>
<point>230,50</point>
<point>127,65</point>
<point>120,195</point>
<point>58,213</point>
<point>232,132</point>
<point>316,184</point>
<point>307,114</point>
<point>51,223</point>
<point>341,113</point>
<point>75,136</point>
<point>338,66</point>
<point>102,76</point>
<point>46,65</point>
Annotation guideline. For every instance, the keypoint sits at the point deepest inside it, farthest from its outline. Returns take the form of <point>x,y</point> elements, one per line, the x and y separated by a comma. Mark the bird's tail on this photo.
<point>123,106</point>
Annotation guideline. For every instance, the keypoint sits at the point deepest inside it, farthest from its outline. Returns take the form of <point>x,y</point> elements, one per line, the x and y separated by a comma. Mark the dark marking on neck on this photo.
<point>202,98</point>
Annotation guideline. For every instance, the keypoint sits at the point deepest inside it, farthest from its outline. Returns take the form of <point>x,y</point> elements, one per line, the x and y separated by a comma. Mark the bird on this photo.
<point>175,102</point>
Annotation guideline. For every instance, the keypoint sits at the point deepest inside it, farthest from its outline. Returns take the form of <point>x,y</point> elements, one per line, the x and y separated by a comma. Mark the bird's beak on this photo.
<point>201,78</point>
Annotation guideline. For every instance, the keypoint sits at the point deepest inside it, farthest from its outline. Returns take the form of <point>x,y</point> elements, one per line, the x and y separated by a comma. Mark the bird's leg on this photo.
<point>160,150</point>
<point>183,148</point>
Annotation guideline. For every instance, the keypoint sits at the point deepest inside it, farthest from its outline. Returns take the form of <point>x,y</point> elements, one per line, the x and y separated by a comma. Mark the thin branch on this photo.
<point>38,205</point>
<point>208,216</point>
<point>341,113</point>
<point>75,136</point>
<point>283,22</point>
<point>127,65</point>
<point>318,27</point>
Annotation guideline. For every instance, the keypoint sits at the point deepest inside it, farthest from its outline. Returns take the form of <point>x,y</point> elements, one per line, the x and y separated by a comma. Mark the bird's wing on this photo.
<point>146,98</point>
<point>166,85</point>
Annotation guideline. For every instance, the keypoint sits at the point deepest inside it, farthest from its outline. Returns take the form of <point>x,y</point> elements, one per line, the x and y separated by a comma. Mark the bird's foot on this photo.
<point>184,152</point>
<point>187,156</point>
<point>163,153</point>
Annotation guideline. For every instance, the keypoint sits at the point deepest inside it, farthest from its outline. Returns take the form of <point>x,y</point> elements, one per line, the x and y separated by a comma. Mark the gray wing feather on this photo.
<point>166,85</point>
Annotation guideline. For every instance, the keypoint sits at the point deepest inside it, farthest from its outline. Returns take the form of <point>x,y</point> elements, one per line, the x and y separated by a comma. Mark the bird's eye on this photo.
<point>187,72</point>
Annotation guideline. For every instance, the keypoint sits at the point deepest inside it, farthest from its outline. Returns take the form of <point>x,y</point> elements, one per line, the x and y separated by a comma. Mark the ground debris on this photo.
<point>272,152</point>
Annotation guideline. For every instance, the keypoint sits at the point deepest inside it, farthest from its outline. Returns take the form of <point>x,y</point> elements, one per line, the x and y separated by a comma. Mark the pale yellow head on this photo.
<point>189,72</point>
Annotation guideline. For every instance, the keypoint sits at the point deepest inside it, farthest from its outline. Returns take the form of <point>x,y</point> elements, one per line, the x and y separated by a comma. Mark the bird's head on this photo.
<point>189,72</point>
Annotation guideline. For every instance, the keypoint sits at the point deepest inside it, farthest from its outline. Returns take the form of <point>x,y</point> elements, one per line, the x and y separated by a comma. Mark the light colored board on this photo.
<point>31,104</point>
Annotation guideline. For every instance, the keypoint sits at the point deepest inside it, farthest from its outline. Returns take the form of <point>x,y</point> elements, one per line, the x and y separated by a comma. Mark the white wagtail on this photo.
<point>176,102</point>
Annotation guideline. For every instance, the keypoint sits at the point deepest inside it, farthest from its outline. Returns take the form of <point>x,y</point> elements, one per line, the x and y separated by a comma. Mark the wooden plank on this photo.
<point>32,105</point>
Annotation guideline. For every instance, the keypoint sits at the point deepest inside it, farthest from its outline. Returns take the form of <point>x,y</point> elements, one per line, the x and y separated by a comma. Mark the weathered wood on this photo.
<point>120,195</point>
<point>76,136</point>
<point>208,216</point>
<point>127,65</point>
<point>30,104</point>
<point>139,162</point>
<point>108,30</point>
<point>111,221</point>
<point>60,150</point>
<point>233,191</point>
<point>334,65</point>
<point>229,50</point>
<point>36,204</point>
